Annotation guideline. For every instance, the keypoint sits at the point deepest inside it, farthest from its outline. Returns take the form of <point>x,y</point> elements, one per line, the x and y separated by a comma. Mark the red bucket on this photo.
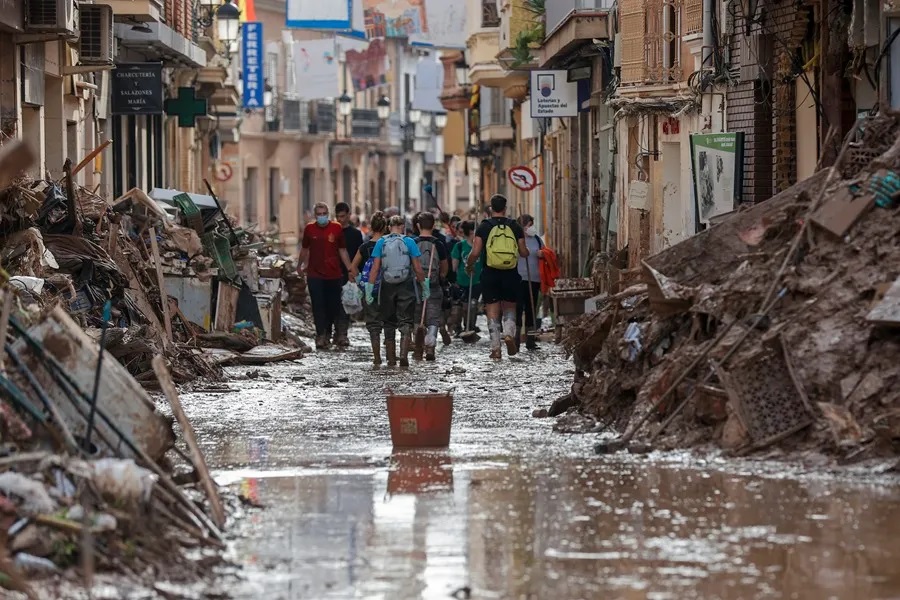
<point>420,420</point>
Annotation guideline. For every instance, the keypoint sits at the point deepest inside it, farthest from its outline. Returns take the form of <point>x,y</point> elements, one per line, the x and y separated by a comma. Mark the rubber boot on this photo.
<point>445,335</point>
<point>454,322</point>
<point>494,327</point>
<point>531,342</point>
<point>322,342</point>
<point>376,348</point>
<point>405,343</point>
<point>419,346</point>
<point>390,349</point>
<point>341,337</point>
<point>510,334</point>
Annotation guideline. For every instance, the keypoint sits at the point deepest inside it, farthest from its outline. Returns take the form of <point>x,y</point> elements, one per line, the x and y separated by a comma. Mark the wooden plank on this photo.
<point>842,211</point>
<point>887,312</point>
<point>161,280</point>
<point>199,462</point>
<point>84,161</point>
<point>226,307</point>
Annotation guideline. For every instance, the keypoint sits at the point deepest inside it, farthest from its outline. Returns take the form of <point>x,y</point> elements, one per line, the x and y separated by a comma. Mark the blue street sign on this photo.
<point>252,56</point>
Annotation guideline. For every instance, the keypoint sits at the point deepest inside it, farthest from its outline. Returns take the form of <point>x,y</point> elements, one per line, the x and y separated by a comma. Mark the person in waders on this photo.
<point>530,272</point>
<point>323,252</point>
<point>364,260</point>
<point>436,264</point>
<point>465,304</point>
<point>502,242</point>
<point>396,264</point>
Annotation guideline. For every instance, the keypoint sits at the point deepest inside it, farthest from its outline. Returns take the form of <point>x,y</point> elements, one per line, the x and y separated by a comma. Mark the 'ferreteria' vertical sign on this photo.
<point>137,89</point>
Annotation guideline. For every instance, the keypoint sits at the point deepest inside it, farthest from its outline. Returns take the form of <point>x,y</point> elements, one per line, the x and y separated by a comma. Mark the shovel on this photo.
<point>469,336</point>
<point>420,330</point>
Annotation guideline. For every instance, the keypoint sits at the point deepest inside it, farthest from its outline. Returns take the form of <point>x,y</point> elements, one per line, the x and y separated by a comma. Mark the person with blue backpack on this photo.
<point>364,260</point>
<point>397,267</point>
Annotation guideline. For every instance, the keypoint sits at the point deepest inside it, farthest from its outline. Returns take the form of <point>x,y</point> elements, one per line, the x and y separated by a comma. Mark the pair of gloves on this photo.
<point>370,291</point>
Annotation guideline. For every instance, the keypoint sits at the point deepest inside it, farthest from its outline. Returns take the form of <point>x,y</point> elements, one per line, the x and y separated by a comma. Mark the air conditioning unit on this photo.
<point>51,16</point>
<point>96,45</point>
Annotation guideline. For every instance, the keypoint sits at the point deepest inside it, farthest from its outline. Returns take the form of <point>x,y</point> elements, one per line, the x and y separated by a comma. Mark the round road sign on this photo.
<point>223,171</point>
<point>523,178</point>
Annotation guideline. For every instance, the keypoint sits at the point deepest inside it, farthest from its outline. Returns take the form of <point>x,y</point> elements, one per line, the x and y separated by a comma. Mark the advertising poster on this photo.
<point>395,18</point>
<point>717,163</point>
<point>332,15</point>
<point>367,68</point>
<point>317,69</point>
<point>446,25</point>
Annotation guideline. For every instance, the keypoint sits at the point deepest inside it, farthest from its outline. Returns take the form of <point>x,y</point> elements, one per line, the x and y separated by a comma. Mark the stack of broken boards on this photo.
<point>819,372</point>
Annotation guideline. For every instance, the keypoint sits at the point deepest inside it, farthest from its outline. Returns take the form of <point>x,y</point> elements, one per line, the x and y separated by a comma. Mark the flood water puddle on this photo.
<point>512,510</point>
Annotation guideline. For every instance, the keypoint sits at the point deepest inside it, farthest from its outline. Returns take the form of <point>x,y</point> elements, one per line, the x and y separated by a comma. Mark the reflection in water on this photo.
<point>426,527</point>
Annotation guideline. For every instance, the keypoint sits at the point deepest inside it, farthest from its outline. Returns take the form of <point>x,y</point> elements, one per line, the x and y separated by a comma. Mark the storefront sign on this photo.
<point>137,89</point>
<point>252,65</point>
<point>717,161</point>
<point>319,14</point>
<point>553,95</point>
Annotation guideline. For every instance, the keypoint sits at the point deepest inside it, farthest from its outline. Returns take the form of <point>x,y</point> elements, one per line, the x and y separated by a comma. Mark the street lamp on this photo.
<point>228,24</point>
<point>205,19</point>
<point>425,120</point>
<point>268,95</point>
<point>345,104</point>
<point>440,120</point>
<point>384,108</point>
<point>414,115</point>
<point>462,71</point>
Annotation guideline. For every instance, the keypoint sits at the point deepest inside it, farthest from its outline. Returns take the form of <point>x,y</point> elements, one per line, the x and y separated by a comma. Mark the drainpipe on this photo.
<point>707,50</point>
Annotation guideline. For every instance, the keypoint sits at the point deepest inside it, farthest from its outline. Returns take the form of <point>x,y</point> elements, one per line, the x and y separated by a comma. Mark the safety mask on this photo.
<point>322,220</point>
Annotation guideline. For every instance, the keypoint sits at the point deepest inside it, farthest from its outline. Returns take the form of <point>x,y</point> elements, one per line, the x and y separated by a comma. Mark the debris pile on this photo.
<point>780,325</point>
<point>178,275</point>
<point>82,476</point>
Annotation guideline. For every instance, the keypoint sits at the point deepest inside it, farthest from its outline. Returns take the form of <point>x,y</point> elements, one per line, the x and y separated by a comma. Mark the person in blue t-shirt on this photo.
<point>396,261</point>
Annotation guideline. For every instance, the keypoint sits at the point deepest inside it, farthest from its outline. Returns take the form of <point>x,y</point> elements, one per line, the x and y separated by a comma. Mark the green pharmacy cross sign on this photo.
<point>187,107</point>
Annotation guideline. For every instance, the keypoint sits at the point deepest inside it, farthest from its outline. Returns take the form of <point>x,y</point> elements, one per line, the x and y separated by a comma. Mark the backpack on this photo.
<point>502,247</point>
<point>366,270</point>
<point>430,253</point>
<point>395,260</point>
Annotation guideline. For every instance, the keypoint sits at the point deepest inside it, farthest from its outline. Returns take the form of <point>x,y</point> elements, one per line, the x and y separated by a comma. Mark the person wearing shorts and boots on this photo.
<point>435,261</point>
<point>502,241</point>
<point>396,261</point>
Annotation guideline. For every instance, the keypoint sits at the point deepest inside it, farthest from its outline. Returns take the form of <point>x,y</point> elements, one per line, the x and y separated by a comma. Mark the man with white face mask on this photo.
<point>531,280</point>
<point>322,253</point>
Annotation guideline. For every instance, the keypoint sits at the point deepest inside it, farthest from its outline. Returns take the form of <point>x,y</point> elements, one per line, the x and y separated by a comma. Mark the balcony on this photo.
<point>162,43</point>
<point>138,10</point>
<point>484,69</point>
<point>572,24</point>
<point>651,48</point>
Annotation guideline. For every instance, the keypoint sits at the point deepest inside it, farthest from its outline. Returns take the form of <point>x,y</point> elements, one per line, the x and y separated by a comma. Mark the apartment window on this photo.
<point>307,190</point>
<point>490,16</point>
<point>250,183</point>
<point>274,193</point>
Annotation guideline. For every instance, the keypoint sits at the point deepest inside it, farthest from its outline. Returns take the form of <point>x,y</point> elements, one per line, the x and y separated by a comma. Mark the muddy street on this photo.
<point>512,509</point>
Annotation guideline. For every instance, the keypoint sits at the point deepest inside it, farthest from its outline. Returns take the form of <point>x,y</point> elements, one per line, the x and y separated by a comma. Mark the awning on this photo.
<point>162,43</point>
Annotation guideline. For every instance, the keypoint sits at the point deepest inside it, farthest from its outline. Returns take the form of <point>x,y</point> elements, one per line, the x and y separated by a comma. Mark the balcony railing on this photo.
<point>693,17</point>
<point>490,16</point>
<point>364,123</point>
<point>304,116</point>
<point>651,41</point>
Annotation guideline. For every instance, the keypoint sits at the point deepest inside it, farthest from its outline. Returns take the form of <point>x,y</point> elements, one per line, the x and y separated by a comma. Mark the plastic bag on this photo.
<point>351,298</point>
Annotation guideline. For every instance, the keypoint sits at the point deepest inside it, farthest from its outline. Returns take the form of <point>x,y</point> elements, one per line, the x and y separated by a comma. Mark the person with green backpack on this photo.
<point>397,266</point>
<point>502,241</point>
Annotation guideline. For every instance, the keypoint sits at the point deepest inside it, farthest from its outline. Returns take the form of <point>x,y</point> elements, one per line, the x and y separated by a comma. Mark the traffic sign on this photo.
<point>523,178</point>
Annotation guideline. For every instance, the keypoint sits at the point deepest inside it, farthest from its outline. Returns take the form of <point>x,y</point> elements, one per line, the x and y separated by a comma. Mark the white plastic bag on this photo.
<point>351,298</point>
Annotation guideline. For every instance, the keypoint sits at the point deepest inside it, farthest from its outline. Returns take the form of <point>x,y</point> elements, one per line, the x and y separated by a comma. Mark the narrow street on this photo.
<point>512,509</point>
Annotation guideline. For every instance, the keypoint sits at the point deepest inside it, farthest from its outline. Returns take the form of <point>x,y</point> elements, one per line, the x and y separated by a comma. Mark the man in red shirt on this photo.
<point>323,250</point>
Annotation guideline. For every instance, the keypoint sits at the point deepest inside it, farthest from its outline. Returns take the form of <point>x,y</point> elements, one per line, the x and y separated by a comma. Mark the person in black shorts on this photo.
<point>502,241</point>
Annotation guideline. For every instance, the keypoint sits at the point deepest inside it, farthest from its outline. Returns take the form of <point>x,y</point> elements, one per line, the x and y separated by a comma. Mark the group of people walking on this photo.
<point>425,285</point>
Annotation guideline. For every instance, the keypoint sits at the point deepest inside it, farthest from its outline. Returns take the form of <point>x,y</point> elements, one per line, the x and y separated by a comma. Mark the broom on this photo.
<point>470,336</point>
<point>420,330</point>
